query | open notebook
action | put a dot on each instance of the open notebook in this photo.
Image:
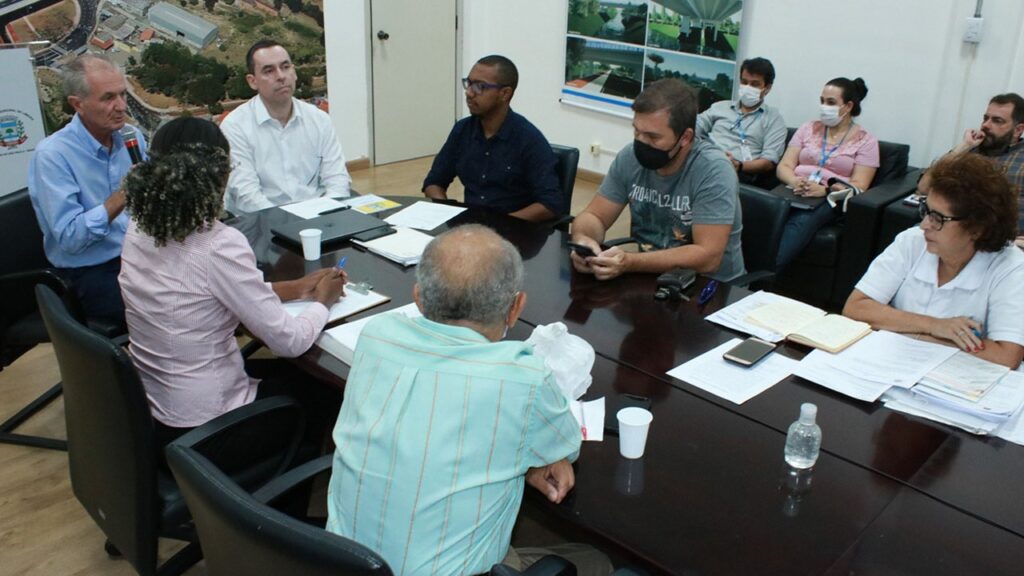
(807, 325)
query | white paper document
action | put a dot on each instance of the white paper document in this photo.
(817, 368)
(369, 203)
(965, 376)
(735, 315)
(590, 416)
(890, 358)
(312, 208)
(711, 373)
(348, 305)
(405, 246)
(341, 341)
(424, 215)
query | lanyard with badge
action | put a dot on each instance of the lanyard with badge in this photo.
(826, 154)
(737, 127)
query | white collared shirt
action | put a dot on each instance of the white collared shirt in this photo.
(990, 289)
(274, 165)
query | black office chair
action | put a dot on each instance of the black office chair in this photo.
(764, 218)
(23, 264)
(241, 533)
(112, 450)
(568, 159)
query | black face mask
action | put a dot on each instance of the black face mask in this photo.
(650, 157)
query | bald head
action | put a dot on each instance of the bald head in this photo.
(469, 274)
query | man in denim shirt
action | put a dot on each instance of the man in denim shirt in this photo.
(74, 180)
(503, 160)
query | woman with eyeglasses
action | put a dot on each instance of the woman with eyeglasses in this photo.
(831, 147)
(957, 278)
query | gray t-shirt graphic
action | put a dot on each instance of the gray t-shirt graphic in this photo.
(664, 209)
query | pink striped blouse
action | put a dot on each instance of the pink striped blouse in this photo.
(183, 302)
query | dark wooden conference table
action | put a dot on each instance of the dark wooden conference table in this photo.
(890, 494)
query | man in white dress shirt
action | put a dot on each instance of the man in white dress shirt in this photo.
(283, 150)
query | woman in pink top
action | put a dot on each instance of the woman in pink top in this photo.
(188, 280)
(832, 147)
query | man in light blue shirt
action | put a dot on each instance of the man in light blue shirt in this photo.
(751, 133)
(74, 180)
(443, 421)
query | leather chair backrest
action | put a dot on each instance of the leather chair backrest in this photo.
(764, 217)
(240, 535)
(20, 236)
(111, 443)
(892, 160)
(567, 160)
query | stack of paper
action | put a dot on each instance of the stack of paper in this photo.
(998, 410)
(963, 376)
(404, 246)
(314, 207)
(424, 215)
(873, 365)
(340, 341)
(351, 303)
(711, 373)
(735, 316)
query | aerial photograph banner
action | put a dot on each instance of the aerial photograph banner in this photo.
(614, 48)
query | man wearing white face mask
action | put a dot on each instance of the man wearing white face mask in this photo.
(751, 133)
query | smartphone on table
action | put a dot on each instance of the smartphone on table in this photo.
(749, 352)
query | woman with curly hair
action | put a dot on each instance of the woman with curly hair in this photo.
(957, 278)
(188, 280)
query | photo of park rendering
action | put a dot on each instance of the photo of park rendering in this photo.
(705, 27)
(711, 78)
(596, 67)
(622, 20)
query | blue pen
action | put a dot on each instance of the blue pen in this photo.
(341, 263)
(707, 293)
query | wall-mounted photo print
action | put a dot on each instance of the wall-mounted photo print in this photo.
(621, 20)
(615, 47)
(705, 27)
(711, 78)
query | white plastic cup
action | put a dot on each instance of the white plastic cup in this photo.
(634, 422)
(311, 243)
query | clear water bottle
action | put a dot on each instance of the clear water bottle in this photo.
(803, 441)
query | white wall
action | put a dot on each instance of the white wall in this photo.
(926, 86)
(348, 73)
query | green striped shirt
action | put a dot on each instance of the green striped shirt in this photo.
(437, 430)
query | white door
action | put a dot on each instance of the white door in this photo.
(414, 77)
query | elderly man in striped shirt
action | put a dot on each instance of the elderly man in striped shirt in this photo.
(443, 422)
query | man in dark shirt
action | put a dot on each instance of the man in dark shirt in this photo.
(503, 161)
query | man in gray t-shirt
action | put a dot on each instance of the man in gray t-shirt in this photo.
(681, 194)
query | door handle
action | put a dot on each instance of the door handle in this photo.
(382, 35)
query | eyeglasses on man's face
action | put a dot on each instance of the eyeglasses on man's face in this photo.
(938, 219)
(478, 86)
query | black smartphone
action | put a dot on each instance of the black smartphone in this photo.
(582, 250)
(375, 233)
(749, 352)
(611, 421)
